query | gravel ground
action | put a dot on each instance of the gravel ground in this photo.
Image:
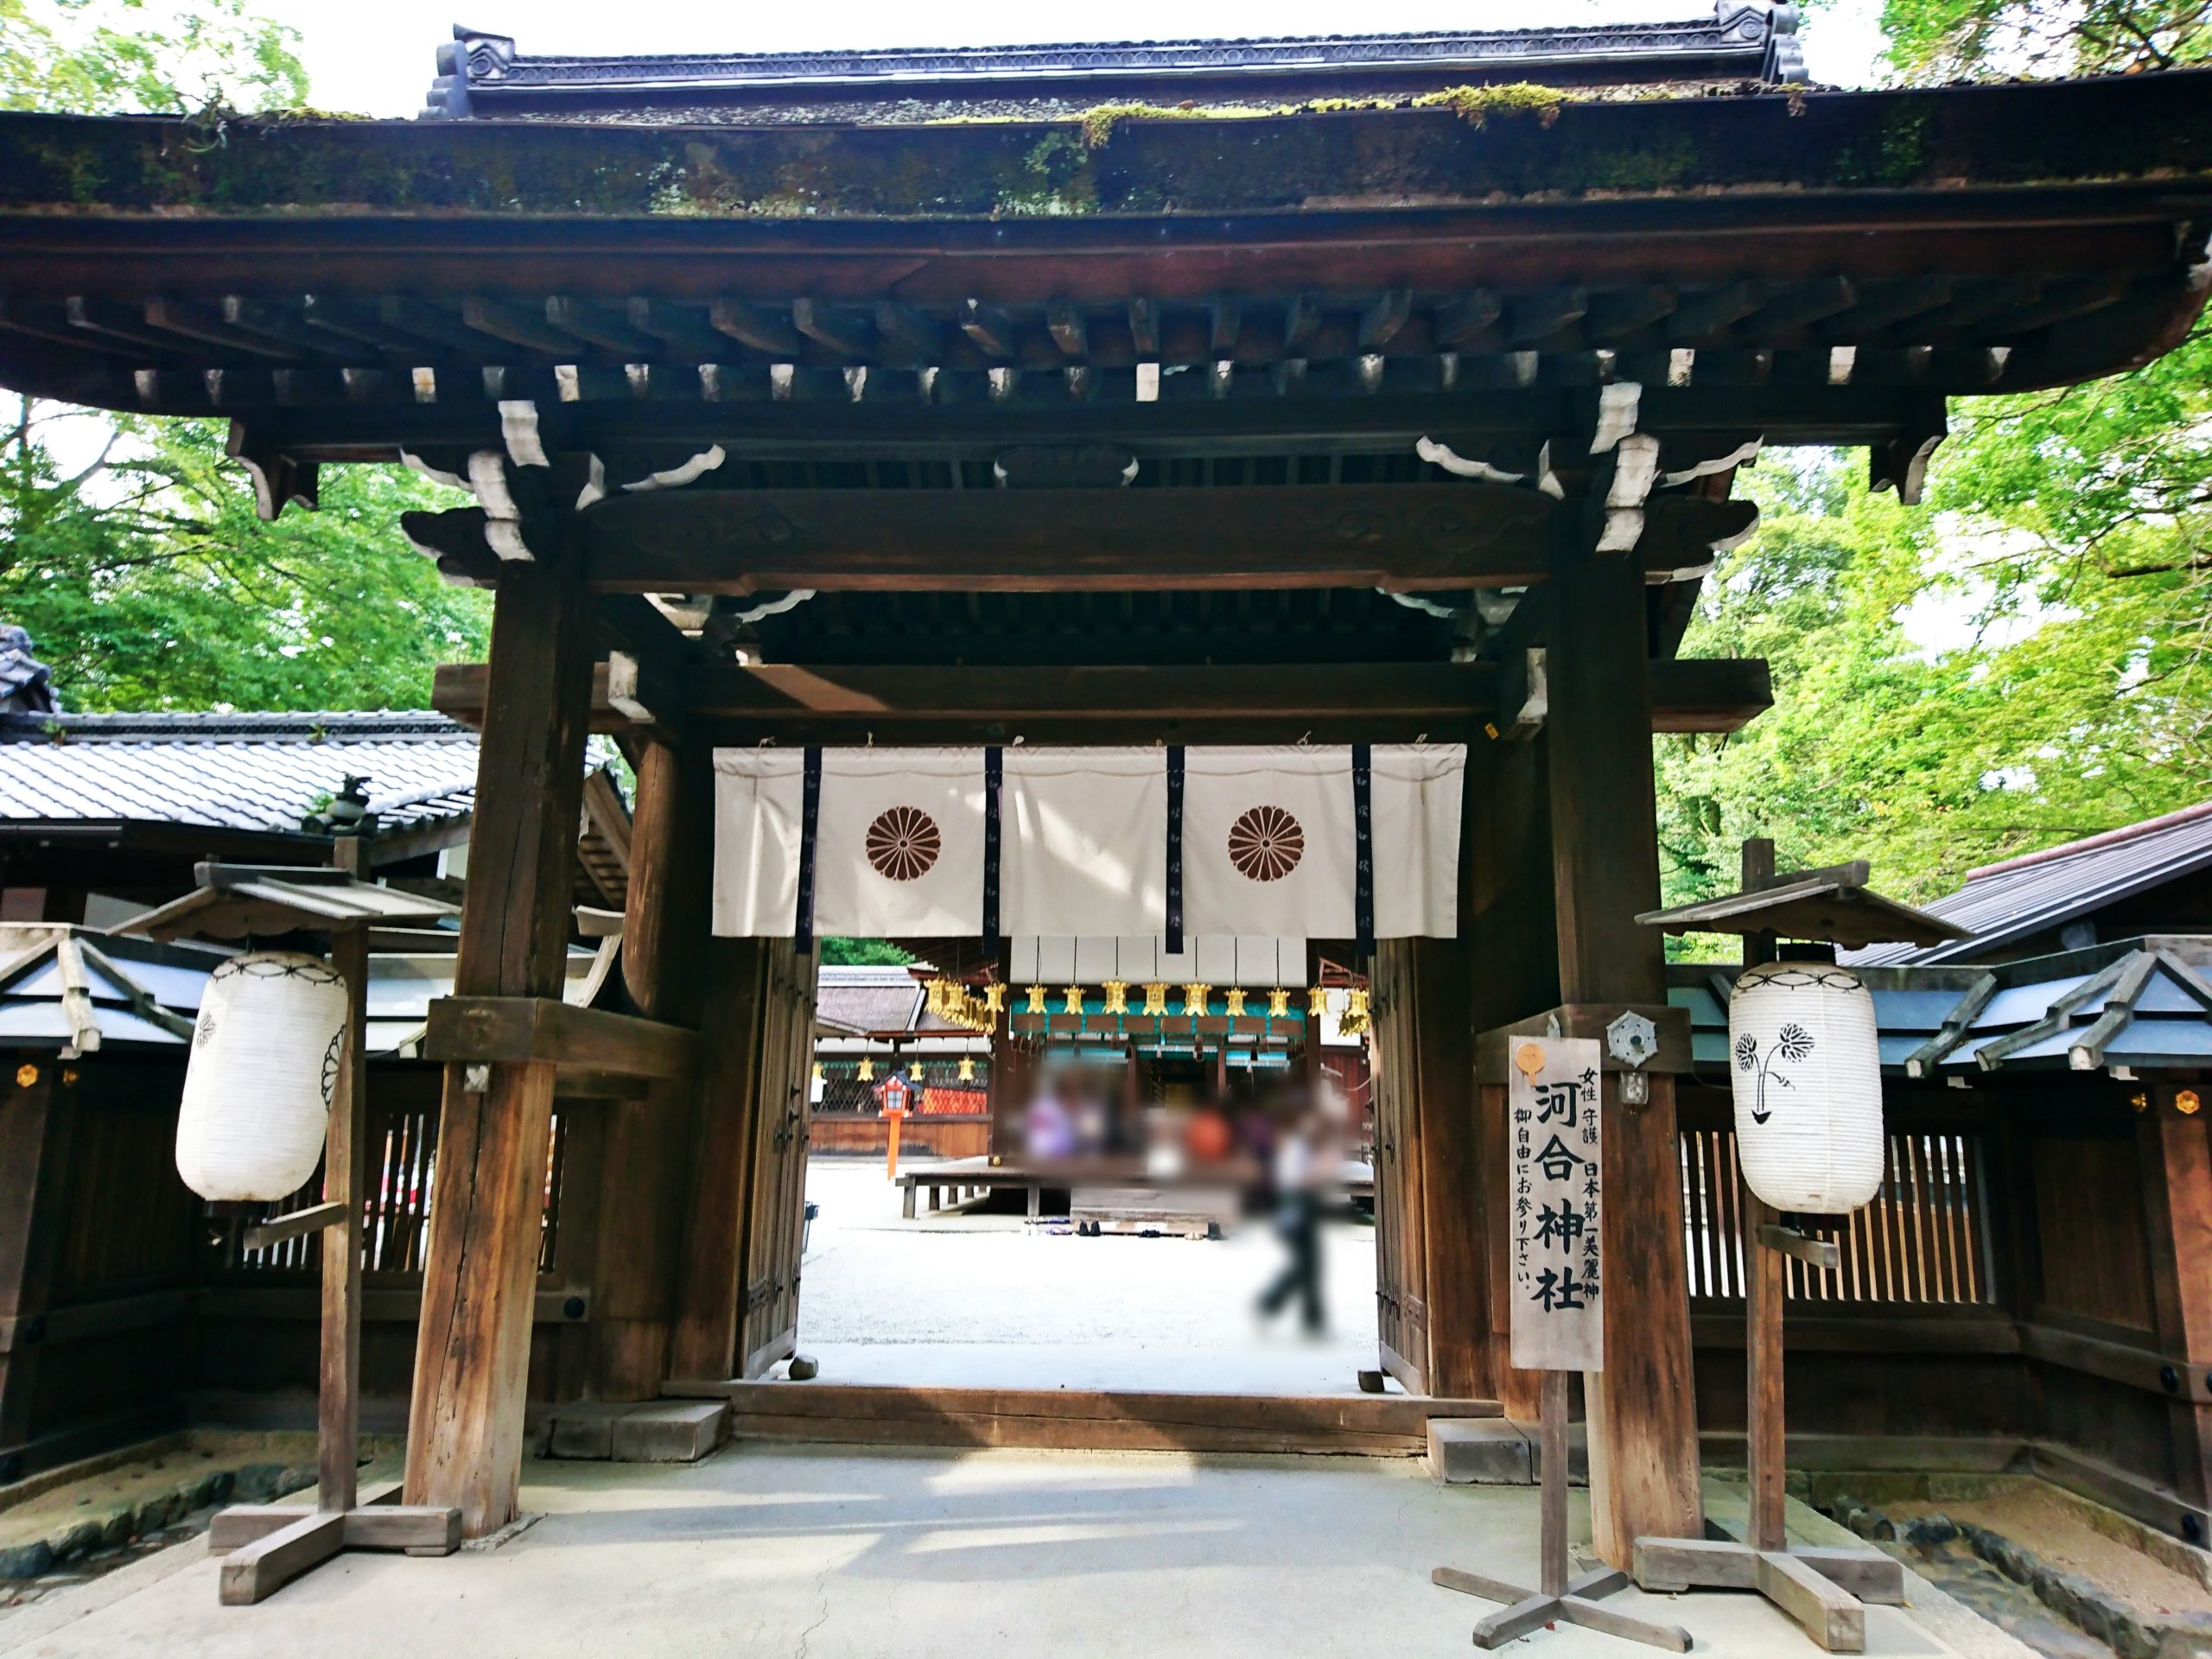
(990, 1300)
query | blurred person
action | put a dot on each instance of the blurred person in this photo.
(1307, 1157)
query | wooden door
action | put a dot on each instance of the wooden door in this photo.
(768, 1315)
(1401, 1258)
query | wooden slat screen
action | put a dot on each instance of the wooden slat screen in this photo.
(400, 1164)
(1922, 1239)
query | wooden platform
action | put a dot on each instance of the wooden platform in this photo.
(1083, 1419)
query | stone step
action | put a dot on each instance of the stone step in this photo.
(651, 1431)
(1498, 1451)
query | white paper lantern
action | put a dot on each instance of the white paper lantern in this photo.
(1808, 1073)
(264, 1064)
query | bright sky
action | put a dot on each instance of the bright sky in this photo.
(378, 59)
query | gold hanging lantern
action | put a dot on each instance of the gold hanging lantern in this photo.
(1279, 1004)
(993, 1000)
(1036, 995)
(818, 1071)
(1357, 1018)
(967, 1068)
(934, 990)
(1198, 998)
(867, 1072)
(1155, 998)
(1117, 995)
(1071, 999)
(1317, 1001)
(1235, 997)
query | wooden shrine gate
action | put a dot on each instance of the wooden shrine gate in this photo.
(1401, 1260)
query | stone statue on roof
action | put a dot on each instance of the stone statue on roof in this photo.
(26, 684)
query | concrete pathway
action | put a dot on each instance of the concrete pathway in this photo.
(828, 1554)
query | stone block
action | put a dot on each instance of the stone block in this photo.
(585, 1429)
(669, 1431)
(1480, 1452)
(1578, 1453)
(26, 1560)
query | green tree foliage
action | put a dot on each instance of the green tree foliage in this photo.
(140, 571)
(862, 953)
(2022, 660)
(105, 57)
(1937, 40)
(130, 549)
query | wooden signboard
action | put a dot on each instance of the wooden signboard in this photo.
(1554, 1128)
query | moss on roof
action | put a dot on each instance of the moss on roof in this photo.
(1120, 159)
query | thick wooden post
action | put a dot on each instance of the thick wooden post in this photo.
(2177, 1159)
(1509, 926)
(710, 1272)
(343, 1158)
(1766, 1446)
(645, 1171)
(1640, 1410)
(472, 1358)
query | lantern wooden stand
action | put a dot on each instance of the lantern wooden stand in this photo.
(1556, 1094)
(1824, 1590)
(1556, 1599)
(267, 1545)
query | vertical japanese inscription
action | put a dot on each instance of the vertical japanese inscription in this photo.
(1556, 1135)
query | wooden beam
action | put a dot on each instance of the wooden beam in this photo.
(265, 1566)
(843, 331)
(1069, 329)
(754, 325)
(1407, 538)
(278, 1228)
(840, 704)
(465, 1427)
(544, 1029)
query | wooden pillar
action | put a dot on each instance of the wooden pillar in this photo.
(733, 991)
(645, 1170)
(1640, 1410)
(1509, 926)
(2177, 1160)
(1455, 1258)
(344, 1157)
(472, 1358)
(34, 1128)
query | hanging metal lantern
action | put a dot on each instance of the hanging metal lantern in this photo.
(1317, 1001)
(1358, 1017)
(1235, 998)
(1036, 995)
(265, 1054)
(993, 1000)
(967, 1068)
(1197, 999)
(1156, 997)
(866, 1072)
(1071, 999)
(1117, 996)
(1808, 1075)
(1279, 1004)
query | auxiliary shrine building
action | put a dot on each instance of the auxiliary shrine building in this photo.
(1006, 495)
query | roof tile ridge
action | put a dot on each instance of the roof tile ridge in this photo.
(2102, 839)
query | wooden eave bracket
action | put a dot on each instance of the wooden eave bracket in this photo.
(1590, 1020)
(543, 1030)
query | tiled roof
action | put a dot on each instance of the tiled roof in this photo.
(263, 772)
(482, 74)
(864, 1000)
(2027, 895)
(2133, 1006)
